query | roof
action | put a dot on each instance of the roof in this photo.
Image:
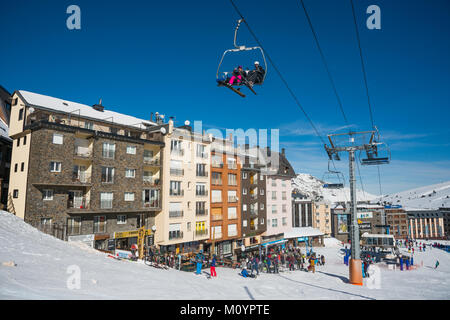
(77, 109)
(368, 235)
(284, 168)
(303, 232)
(4, 130)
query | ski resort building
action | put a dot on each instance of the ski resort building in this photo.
(397, 219)
(83, 172)
(5, 147)
(426, 224)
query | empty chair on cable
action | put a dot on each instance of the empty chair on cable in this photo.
(379, 154)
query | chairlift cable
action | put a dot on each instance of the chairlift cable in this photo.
(278, 72)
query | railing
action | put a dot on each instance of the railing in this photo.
(150, 181)
(201, 193)
(175, 214)
(216, 217)
(217, 182)
(232, 166)
(175, 234)
(232, 199)
(216, 235)
(202, 173)
(106, 204)
(152, 161)
(232, 183)
(232, 234)
(254, 196)
(81, 177)
(201, 232)
(201, 212)
(176, 193)
(82, 153)
(253, 211)
(176, 172)
(202, 155)
(78, 203)
(152, 204)
(177, 152)
(217, 165)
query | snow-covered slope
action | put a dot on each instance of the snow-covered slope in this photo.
(428, 197)
(313, 187)
(44, 266)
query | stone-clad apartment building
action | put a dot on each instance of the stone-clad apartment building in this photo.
(82, 170)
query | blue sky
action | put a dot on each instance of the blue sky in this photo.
(147, 56)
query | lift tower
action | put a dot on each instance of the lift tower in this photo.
(351, 142)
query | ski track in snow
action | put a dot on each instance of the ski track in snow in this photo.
(42, 261)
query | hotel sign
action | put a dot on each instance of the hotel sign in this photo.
(130, 234)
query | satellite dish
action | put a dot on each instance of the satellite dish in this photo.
(187, 122)
(163, 130)
(31, 110)
(154, 228)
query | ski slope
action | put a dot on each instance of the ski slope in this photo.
(428, 197)
(42, 263)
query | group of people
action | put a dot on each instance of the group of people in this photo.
(280, 259)
(254, 76)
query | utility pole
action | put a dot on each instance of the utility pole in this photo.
(345, 142)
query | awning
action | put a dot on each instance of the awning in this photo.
(273, 242)
(302, 232)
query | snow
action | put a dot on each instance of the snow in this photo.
(39, 100)
(313, 187)
(4, 130)
(42, 263)
(422, 198)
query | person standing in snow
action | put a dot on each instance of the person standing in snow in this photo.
(213, 266)
(437, 264)
(255, 265)
(322, 260)
(199, 261)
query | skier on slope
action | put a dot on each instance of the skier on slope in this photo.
(213, 266)
(199, 260)
(437, 264)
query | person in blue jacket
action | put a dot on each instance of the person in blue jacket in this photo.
(244, 273)
(199, 260)
(401, 264)
(213, 266)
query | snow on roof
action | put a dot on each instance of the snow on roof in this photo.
(4, 130)
(302, 232)
(75, 109)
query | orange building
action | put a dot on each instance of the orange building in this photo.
(225, 216)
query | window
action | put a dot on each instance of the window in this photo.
(131, 149)
(99, 224)
(20, 114)
(216, 196)
(283, 183)
(18, 142)
(113, 130)
(129, 196)
(274, 183)
(283, 208)
(284, 221)
(175, 188)
(130, 173)
(216, 161)
(200, 152)
(200, 207)
(109, 150)
(148, 155)
(274, 222)
(15, 102)
(200, 189)
(261, 192)
(231, 163)
(274, 195)
(283, 195)
(24, 140)
(122, 219)
(232, 230)
(244, 223)
(262, 206)
(216, 178)
(148, 175)
(188, 226)
(274, 208)
(175, 147)
(244, 175)
(106, 200)
(74, 225)
(15, 167)
(232, 213)
(262, 220)
(244, 191)
(232, 196)
(55, 166)
(107, 175)
(46, 221)
(232, 179)
(47, 194)
(22, 166)
(15, 193)
(261, 177)
(176, 167)
(57, 138)
(216, 232)
(89, 125)
(201, 170)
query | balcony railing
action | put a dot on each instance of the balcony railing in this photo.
(152, 204)
(175, 234)
(232, 166)
(81, 177)
(216, 235)
(150, 181)
(152, 161)
(216, 217)
(202, 173)
(232, 199)
(82, 152)
(175, 214)
(253, 211)
(217, 182)
(201, 212)
(201, 193)
(254, 196)
(176, 172)
(78, 203)
(217, 165)
(176, 193)
(203, 155)
(201, 232)
(232, 234)
(177, 152)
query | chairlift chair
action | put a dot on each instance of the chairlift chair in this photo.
(335, 177)
(373, 154)
(222, 77)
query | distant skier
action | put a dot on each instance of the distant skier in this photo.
(213, 266)
(437, 264)
(199, 260)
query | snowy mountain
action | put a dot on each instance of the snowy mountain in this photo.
(313, 188)
(428, 197)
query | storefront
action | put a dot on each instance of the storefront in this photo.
(101, 242)
(124, 240)
(182, 248)
(306, 236)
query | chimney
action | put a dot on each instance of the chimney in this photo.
(283, 152)
(99, 106)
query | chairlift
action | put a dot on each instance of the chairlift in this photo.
(377, 153)
(333, 179)
(249, 78)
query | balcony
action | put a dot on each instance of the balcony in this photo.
(176, 172)
(177, 152)
(78, 203)
(176, 193)
(152, 204)
(232, 199)
(82, 152)
(175, 234)
(152, 161)
(81, 177)
(176, 214)
(254, 212)
(217, 165)
(201, 232)
(216, 235)
(216, 217)
(201, 212)
(254, 196)
(203, 155)
(232, 166)
(232, 234)
(201, 193)
(217, 182)
(149, 181)
(202, 174)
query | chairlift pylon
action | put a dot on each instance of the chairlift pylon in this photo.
(222, 77)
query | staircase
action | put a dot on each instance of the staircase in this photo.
(10, 207)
